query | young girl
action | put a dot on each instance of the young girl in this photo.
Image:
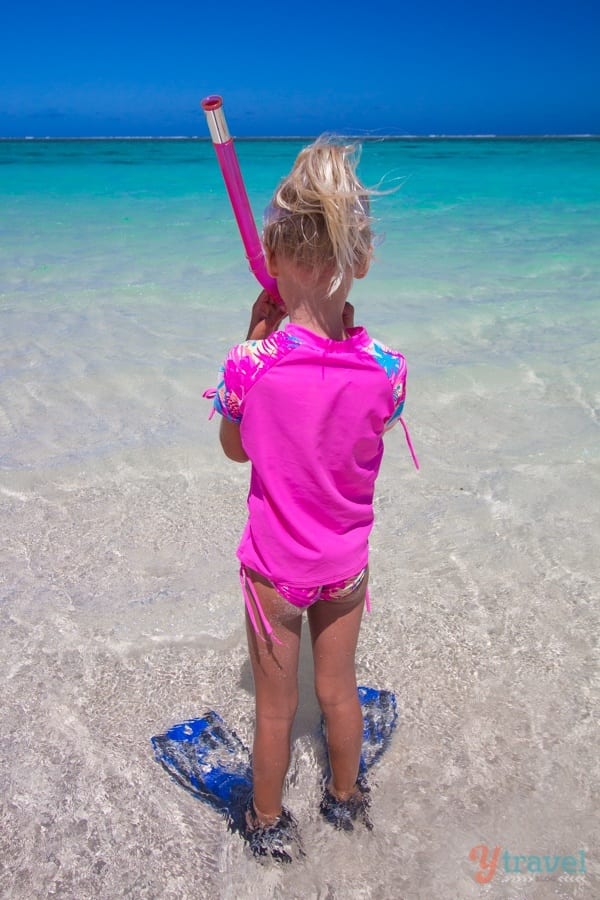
(308, 406)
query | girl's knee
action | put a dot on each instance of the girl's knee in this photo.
(282, 708)
(334, 693)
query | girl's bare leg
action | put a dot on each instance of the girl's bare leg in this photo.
(275, 670)
(334, 627)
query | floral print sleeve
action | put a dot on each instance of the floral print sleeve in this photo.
(244, 365)
(394, 366)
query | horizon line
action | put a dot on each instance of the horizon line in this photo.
(310, 137)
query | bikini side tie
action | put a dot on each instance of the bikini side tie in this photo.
(247, 591)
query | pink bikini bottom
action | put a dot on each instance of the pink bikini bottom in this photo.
(298, 596)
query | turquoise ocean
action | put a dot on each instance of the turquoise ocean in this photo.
(122, 285)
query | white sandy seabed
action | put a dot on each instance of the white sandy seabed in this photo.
(121, 615)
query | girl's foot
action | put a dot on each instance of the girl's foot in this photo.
(278, 839)
(342, 814)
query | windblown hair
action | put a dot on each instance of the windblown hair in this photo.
(320, 214)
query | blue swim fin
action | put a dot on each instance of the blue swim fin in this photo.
(209, 761)
(380, 716)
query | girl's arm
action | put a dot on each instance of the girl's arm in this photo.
(231, 441)
(265, 318)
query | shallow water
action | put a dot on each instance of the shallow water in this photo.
(122, 284)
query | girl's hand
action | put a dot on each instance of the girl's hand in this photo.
(348, 315)
(266, 317)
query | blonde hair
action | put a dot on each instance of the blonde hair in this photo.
(320, 214)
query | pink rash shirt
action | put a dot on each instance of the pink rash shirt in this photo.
(312, 414)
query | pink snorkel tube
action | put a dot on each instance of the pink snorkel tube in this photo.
(230, 169)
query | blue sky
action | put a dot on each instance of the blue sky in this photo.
(502, 67)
